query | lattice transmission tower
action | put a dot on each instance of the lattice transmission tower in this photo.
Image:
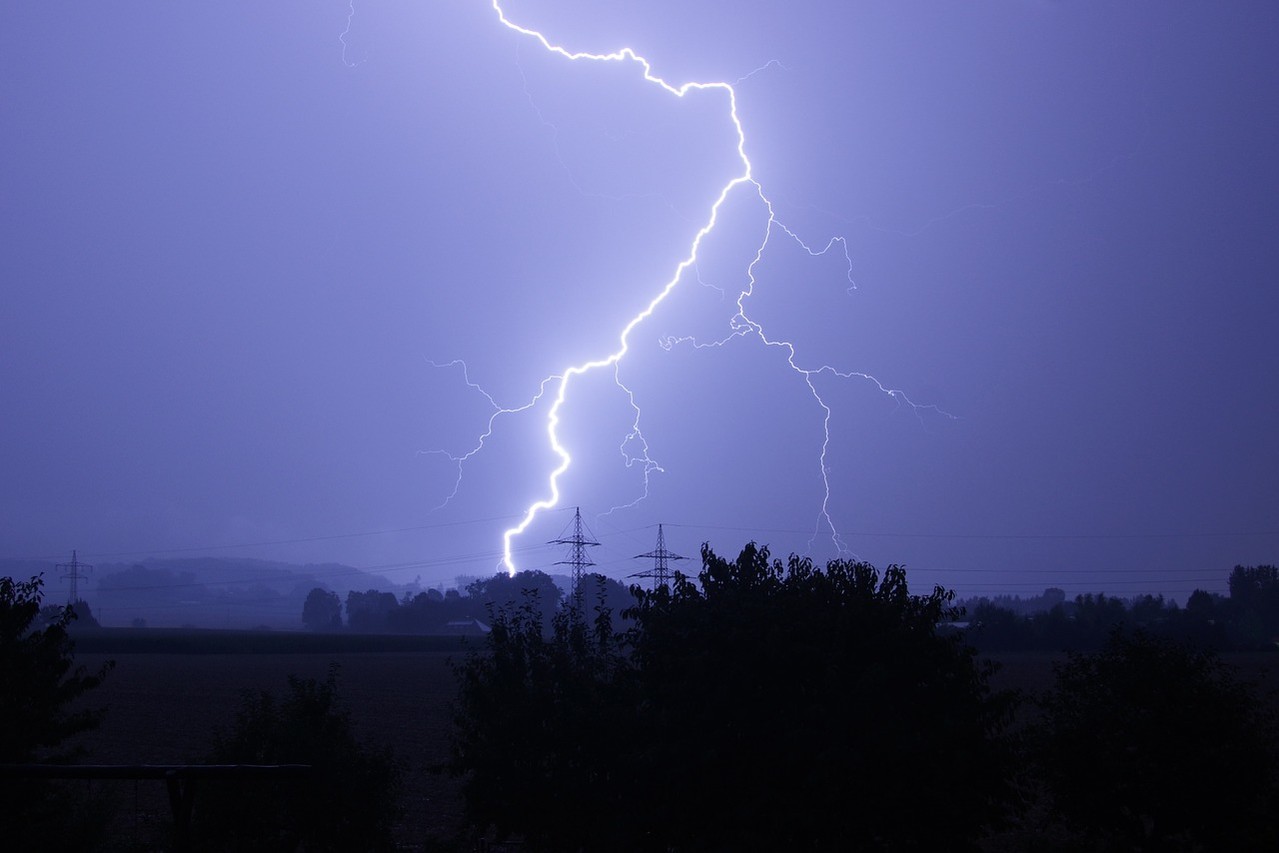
(74, 571)
(661, 572)
(578, 543)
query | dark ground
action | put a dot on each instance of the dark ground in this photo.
(163, 708)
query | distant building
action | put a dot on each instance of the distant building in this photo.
(466, 627)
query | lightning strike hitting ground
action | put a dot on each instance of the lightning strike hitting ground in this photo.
(634, 446)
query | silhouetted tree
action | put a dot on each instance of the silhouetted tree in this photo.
(1051, 597)
(1254, 593)
(600, 591)
(1202, 622)
(1201, 605)
(370, 612)
(39, 682)
(504, 592)
(417, 614)
(1095, 616)
(1149, 610)
(350, 803)
(542, 722)
(766, 706)
(1147, 745)
(41, 708)
(821, 708)
(993, 628)
(322, 610)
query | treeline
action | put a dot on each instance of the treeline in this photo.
(469, 610)
(217, 592)
(1248, 618)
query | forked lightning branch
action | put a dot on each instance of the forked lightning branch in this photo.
(740, 326)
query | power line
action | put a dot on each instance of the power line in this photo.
(153, 552)
(1206, 534)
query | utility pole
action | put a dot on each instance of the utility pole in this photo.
(73, 572)
(577, 559)
(661, 572)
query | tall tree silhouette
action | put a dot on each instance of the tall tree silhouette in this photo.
(39, 681)
(764, 706)
(41, 711)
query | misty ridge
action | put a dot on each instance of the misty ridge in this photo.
(238, 593)
(219, 593)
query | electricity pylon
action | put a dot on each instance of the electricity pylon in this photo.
(578, 543)
(73, 569)
(660, 573)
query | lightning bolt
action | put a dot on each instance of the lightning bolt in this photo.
(497, 411)
(350, 15)
(634, 438)
(634, 446)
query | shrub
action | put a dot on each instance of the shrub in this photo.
(351, 801)
(1148, 744)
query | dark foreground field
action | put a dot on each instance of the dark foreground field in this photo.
(163, 708)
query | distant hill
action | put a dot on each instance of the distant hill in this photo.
(240, 593)
(206, 592)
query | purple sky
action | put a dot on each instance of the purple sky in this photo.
(238, 239)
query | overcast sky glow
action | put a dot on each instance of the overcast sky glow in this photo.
(247, 249)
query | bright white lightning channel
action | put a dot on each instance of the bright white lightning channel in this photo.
(741, 324)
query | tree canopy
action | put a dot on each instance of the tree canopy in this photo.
(1148, 744)
(39, 681)
(762, 706)
(41, 713)
(322, 610)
